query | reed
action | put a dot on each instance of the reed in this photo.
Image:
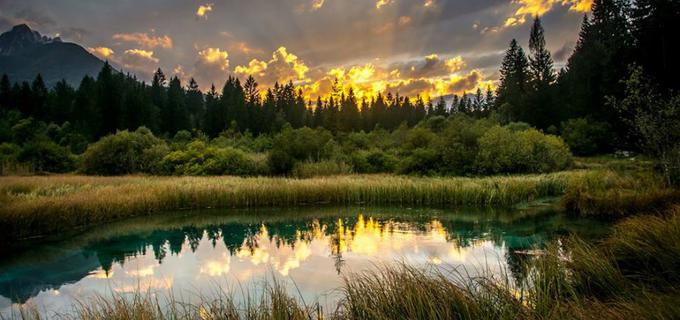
(33, 206)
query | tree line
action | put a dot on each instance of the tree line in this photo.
(114, 101)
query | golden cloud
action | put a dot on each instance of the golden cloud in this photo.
(382, 3)
(282, 67)
(101, 52)
(145, 40)
(215, 57)
(317, 4)
(202, 11)
(455, 64)
(530, 8)
(428, 3)
(144, 54)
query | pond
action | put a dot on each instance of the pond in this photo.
(188, 254)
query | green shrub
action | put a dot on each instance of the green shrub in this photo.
(421, 161)
(373, 161)
(123, 153)
(305, 144)
(504, 151)
(459, 143)
(586, 137)
(199, 159)
(46, 156)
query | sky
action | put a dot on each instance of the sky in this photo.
(410, 47)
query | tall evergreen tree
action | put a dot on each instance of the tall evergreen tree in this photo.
(540, 110)
(513, 86)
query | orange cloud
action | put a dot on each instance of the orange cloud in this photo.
(145, 40)
(101, 52)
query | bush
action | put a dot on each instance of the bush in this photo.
(305, 144)
(199, 159)
(585, 137)
(373, 161)
(123, 153)
(421, 161)
(504, 151)
(46, 156)
(460, 143)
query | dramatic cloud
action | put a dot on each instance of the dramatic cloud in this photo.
(214, 57)
(282, 67)
(145, 40)
(101, 52)
(530, 8)
(202, 11)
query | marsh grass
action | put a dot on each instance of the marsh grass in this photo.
(32, 206)
(618, 194)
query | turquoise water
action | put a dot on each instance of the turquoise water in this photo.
(191, 253)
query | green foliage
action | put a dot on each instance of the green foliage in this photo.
(201, 159)
(293, 145)
(46, 156)
(122, 153)
(505, 151)
(586, 137)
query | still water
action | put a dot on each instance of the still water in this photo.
(197, 253)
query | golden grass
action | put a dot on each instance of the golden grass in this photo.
(33, 206)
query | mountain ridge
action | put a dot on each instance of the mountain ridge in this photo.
(25, 53)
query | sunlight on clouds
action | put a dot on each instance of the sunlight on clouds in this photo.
(579, 5)
(144, 54)
(282, 67)
(202, 11)
(455, 64)
(101, 52)
(382, 3)
(530, 8)
(317, 4)
(428, 3)
(215, 57)
(145, 40)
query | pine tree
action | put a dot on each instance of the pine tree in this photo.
(194, 104)
(513, 83)
(440, 107)
(540, 61)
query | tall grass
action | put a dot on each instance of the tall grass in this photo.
(33, 206)
(617, 194)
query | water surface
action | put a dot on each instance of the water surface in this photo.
(191, 253)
